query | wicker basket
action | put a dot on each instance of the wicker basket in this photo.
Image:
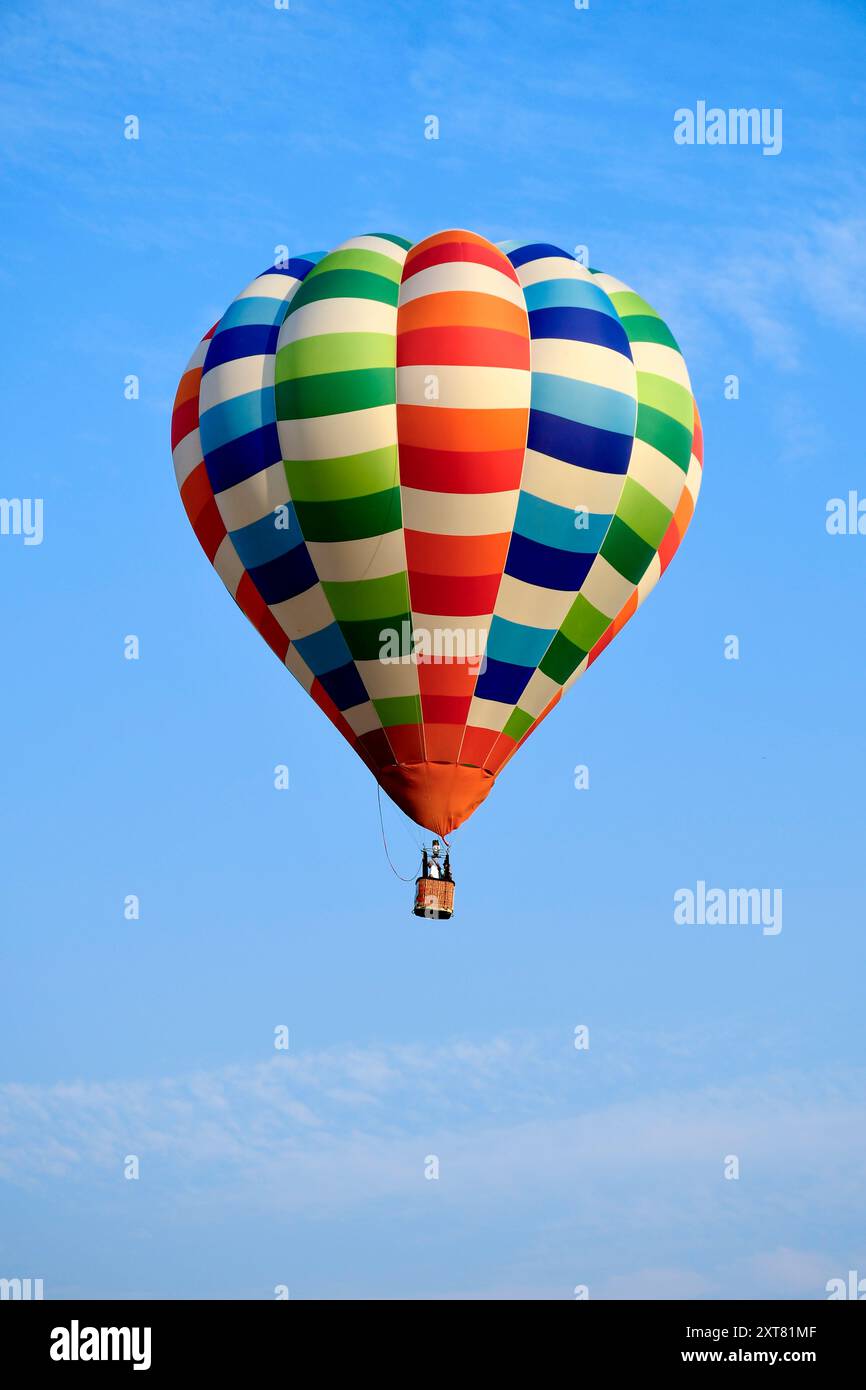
(434, 898)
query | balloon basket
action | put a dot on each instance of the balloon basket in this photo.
(434, 899)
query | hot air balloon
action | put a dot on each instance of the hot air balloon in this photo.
(438, 478)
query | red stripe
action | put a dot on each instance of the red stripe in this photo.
(459, 596)
(250, 601)
(453, 470)
(450, 251)
(184, 420)
(445, 709)
(462, 346)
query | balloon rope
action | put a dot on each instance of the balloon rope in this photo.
(402, 877)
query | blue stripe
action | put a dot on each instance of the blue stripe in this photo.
(241, 458)
(286, 576)
(264, 540)
(572, 294)
(344, 686)
(549, 524)
(298, 266)
(545, 566)
(518, 644)
(253, 309)
(583, 401)
(251, 340)
(536, 251)
(501, 681)
(579, 444)
(240, 415)
(325, 650)
(580, 326)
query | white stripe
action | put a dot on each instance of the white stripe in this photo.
(569, 485)
(337, 436)
(337, 316)
(657, 473)
(347, 562)
(552, 268)
(252, 499)
(462, 276)
(600, 366)
(304, 614)
(186, 456)
(271, 286)
(464, 388)
(459, 514)
(374, 243)
(531, 604)
(661, 360)
(605, 588)
(299, 668)
(362, 719)
(227, 564)
(235, 378)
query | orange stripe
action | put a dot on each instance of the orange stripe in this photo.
(449, 555)
(189, 386)
(452, 234)
(436, 427)
(451, 307)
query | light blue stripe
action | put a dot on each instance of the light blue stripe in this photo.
(254, 309)
(571, 294)
(264, 540)
(517, 644)
(584, 403)
(231, 419)
(549, 524)
(325, 650)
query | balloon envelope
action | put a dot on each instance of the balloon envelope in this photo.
(439, 479)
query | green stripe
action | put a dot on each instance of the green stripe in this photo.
(335, 393)
(364, 635)
(561, 658)
(626, 303)
(350, 519)
(395, 240)
(358, 600)
(645, 514)
(335, 352)
(518, 723)
(356, 258)
(625, 550)
(398, 709)
(584, 624)
(668, 436)
(646, 329)
(664, 394)
(332, 480)
(344, 284)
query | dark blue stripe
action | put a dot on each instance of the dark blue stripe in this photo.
(242, 457)
(344, 686)
(249, 340)
(285, 577)
(500, 680)
(546, 566)
(536, 252)
(602, 450)
(581, 326)
(296, 266)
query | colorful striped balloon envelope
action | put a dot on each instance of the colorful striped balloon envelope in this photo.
(439, 479)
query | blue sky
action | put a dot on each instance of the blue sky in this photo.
(558, 1167)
